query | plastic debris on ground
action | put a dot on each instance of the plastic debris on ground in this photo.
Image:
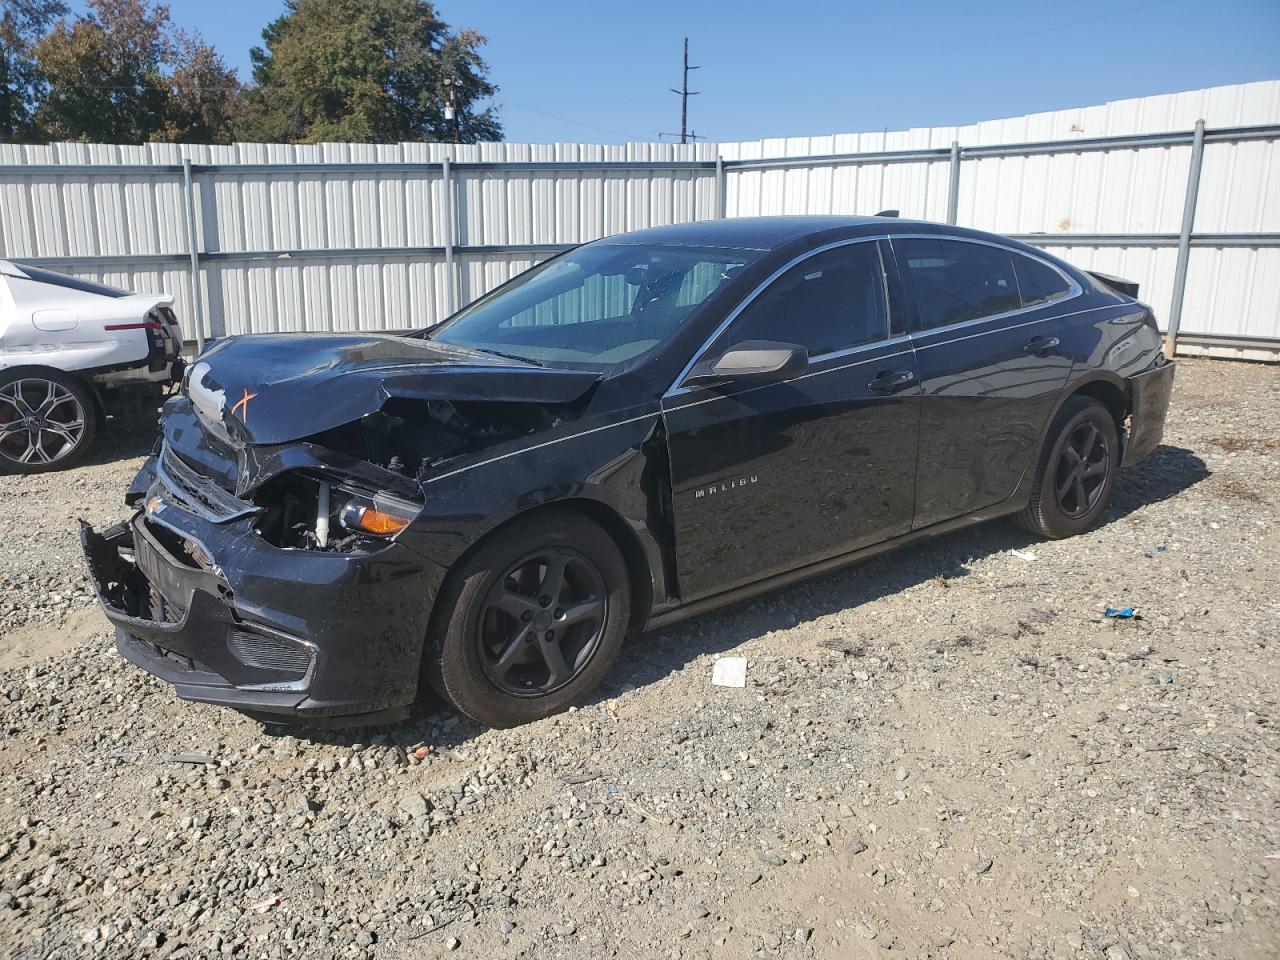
(1122, 613)
(1026, 555)
(730, 672)
(265, 905)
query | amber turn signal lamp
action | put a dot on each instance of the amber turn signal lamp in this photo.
(372, 520)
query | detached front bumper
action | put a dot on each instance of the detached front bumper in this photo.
(1150, 393)
(229, 619)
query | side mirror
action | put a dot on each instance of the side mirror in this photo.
(751, 362)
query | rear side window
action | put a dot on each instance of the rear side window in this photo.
(1039, 282)
(957, 281)
(828, 302)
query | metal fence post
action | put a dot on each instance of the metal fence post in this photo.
(449, 232)
(721, 198)
(953, 187)
(1184, 240)
(193, 245)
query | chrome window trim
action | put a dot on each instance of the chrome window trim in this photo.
(847, 351)
(1074, 291)
(1014, 326)
(676, 389)
(860, 348)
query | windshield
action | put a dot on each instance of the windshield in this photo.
(597, 306)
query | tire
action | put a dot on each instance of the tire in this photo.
(1076, 472)
(47, 421)
(501, 618)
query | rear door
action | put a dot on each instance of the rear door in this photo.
(768, 478)
(991, 367)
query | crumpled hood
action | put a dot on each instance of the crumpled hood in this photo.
(276, 388)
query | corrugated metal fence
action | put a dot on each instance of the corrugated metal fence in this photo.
(254, 238)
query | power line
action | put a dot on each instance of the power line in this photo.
(498, 101)
(506, 101)
(1100, 16)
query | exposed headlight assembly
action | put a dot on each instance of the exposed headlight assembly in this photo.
(308, 511)
(380, 514)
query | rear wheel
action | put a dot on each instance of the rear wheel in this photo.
(1076, 471)
(529, 623)
(47, 421)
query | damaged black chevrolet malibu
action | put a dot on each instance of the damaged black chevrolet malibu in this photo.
(642, 428)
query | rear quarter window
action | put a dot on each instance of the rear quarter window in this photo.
(1038, 282)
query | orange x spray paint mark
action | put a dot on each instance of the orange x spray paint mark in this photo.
(243, 405)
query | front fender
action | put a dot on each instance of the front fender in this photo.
(618, 467)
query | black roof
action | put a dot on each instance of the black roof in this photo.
(750, 233)
(772, 234)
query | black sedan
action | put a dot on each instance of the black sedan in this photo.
(640, 429)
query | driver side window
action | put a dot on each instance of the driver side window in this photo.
(828, 302)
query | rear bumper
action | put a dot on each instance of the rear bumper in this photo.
(228, 619)
(1150, 393)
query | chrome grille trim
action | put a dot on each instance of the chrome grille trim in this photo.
(196, 494)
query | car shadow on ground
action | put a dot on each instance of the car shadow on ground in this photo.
(122, 441)
(1167, 472)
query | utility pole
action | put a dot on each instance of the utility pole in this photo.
(685, 93)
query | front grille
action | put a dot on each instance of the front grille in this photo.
(268, 653)
(160, 608)
(197, 494)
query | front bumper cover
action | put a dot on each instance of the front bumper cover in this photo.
(229, 619)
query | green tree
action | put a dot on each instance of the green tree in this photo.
(367, 70)
(125, 74)
(22, 24)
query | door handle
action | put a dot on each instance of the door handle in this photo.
(890, 381)
(1041, 346)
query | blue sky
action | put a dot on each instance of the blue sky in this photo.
(583, 71)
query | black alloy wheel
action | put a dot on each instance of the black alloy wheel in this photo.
(1076, 471)
(542, 623)
(1082, 470)
(529, 621)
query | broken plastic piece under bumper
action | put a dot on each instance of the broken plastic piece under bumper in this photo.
(228, 619)
(1150, 392)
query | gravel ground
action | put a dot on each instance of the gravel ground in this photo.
(947, 753)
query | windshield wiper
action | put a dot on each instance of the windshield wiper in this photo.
(508, 356)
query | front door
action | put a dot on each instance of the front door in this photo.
(769, 478)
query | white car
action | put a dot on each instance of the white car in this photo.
(71, 353)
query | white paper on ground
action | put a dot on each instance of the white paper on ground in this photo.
(730, 672)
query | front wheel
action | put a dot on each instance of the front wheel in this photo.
(47, 421)
(1076, 471)
(529, 624)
